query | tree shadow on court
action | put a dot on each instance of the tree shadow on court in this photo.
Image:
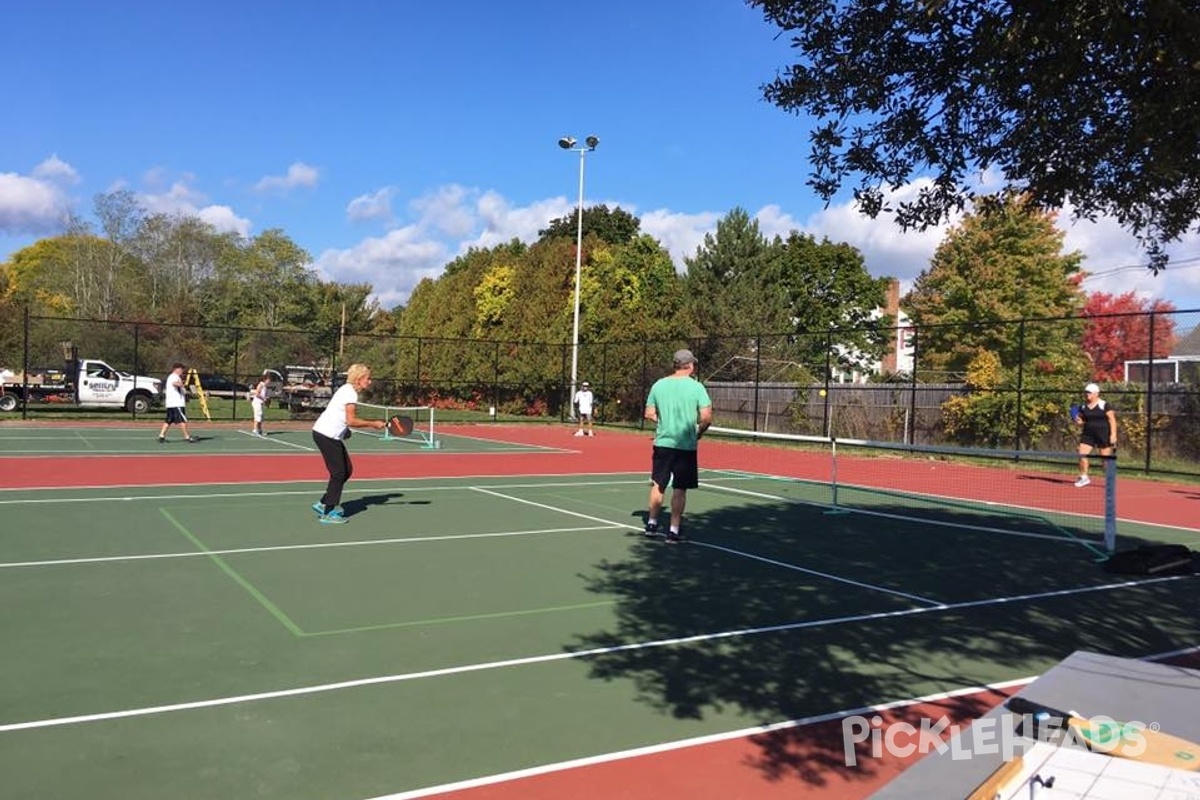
(360, 504)
(730, 623)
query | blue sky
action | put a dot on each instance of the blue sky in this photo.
(387, 137)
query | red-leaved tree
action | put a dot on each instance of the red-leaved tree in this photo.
(1118, 330)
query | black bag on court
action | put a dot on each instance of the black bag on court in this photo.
(1153, 559)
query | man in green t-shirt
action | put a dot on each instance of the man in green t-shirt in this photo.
(680, 406)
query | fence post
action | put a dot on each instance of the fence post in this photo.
(420, 390)
(641, 407)
(237, 347)
(567, 408)
(136, 362)
(912, 397)
(828, 367)
(757, 377)
(1150, 395)
(25, 367)
(1020, 381)
(495, 383)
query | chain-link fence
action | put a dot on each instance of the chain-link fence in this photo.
(1148, 366)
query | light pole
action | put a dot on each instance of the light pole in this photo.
(568, 143)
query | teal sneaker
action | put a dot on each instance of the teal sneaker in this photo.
(319, 507)
(335, 517)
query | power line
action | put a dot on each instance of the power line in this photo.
(1188, 263)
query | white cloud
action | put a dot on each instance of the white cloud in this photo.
(502, 223)
(448, 210)
(36, 204)
(449, 220)
(393, 264)
(298, 175)
(57, 171)
(224, 220)
(1116, 263)
(679, 233)
(367, 207)
(184, 200)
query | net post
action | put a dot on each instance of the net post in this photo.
(433, 442)
(1110, 502)
(833, 478)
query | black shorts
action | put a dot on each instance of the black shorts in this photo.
(1095, 438)
(671, 465)
(175, 415)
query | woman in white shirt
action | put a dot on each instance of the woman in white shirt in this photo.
(329, 432)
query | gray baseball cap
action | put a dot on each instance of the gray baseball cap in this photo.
(683, 357)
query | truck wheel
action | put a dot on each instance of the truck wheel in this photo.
(8, 402)
(137, 404)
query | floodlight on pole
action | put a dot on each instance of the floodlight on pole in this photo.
(568, 143)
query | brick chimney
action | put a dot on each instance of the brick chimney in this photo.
(892, 309)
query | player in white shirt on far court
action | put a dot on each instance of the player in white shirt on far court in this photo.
(585, 402)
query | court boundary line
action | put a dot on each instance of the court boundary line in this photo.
(728, 475)
(286, 547)
(479, 476)
(561, 656)
(715, 738)
(826, 575)
(699, 741)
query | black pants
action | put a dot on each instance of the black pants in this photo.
(337, 461)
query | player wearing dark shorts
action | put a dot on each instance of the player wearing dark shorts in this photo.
(1098, 424)
(682, 410)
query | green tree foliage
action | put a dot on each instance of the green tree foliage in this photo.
(987, 416)
(179, 274)
(612, 226)
(721, 276)
(1093, 102)
(180, 255)
(829, 298)
(1003, 263)
(809, 293)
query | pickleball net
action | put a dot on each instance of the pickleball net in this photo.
(1018, 492)
(423, 433)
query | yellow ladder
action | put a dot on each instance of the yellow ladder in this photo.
(193, 379)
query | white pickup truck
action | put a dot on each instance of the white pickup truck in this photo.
(86, 383)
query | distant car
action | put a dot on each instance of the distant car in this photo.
(220, 386)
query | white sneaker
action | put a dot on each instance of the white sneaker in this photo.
(1083, 481)
(579, 433)
(591, 433)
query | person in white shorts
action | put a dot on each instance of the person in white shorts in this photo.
(258, 401)
(585, 401)
(175, 399)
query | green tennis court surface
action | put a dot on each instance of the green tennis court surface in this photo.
(217, 641)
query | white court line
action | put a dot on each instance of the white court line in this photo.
(559, 656)
(556, 509)
(282, 547)
(278, 441)
(349, 490)
(826, 575)
(712, 738)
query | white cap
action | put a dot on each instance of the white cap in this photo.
(1092, 388)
